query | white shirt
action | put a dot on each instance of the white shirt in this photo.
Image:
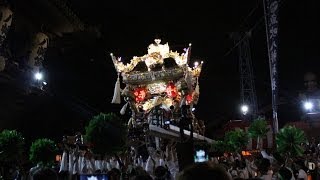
(302, 174)
(292, 175)
(244, 173)
(266, 177)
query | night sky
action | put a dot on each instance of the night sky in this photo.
(81, 75)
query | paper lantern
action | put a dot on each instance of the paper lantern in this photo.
(38, 49)
(245, 153)
(58, 158)
(171, 90)
(5, 21)
(140, 94)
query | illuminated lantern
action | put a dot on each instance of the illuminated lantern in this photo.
(171, 90)
(38, 49)
(58, 158)
(245, 153)
(140, 94)
(189, 98)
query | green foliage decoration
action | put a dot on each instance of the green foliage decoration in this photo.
(219, 147)
(235, 140)
(43, 152)
(258, 128)
(289, 140)
(107, 134)
(11, 146)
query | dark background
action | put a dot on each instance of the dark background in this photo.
(81, 75)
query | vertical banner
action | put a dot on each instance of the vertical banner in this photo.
(271, 9)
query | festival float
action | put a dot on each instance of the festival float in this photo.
(161, 91)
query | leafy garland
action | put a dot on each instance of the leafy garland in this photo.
(258, 128)
(218, 148)
(289, 141)
(235, 140)
(106, 133)
(11, 146)
(43, 151)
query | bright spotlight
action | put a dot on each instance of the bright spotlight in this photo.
(45, 83)
(38, 76)
(308, 106)
(244, 109)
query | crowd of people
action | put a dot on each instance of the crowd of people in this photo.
(229, 166)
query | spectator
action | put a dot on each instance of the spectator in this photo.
(302, 170)
(264, 167)
(45, 174)
(285, 174)
(161, 173)
(204, 171)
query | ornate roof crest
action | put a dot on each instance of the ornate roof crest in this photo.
(157, 53)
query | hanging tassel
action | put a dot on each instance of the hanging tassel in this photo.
(124, 108)
(70, 168)
(109, 167)
(81, 164)
(117, 92)
(161, 162)
(75, 169)
(196, 93)
(197, 89)
(183, 101)
(188, 79)
(64, 162)
(98, 165)
(149, 165)
(157, 142)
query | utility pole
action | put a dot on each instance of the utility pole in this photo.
(247, 87)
